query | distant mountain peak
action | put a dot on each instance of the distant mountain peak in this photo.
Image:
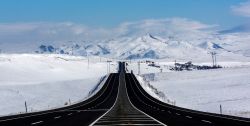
(210, 45)
(150, 38)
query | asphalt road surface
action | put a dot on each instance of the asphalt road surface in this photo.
(122, 101)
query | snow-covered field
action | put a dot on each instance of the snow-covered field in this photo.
(47, 81)
(204, 90)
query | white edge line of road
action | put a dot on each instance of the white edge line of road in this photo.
(109, 109)
(139, 109)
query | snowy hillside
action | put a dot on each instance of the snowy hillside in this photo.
(203, 90)
(47, 81)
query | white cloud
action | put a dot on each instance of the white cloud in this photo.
(181, 27)
(45, 31)
(68, 31)
(243, 9)
(17, 27)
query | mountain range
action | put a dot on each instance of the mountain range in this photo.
(173, 39)
(230, 46)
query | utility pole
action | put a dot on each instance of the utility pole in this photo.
(175, 65)
(212, 58)
(88, 59)
(220, 109)
(88, 62)
(69, 102)
(213, 54)
(108, 66)
(26, 108)
(215, 59)
(139, 68)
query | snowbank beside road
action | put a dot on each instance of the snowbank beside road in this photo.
(205, 90)
(46, 81)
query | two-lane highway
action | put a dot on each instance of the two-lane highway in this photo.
(122, 101)
(123, 112)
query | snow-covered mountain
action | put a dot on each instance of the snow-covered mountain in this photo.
(81, 49)
(176, 38)
(156, 47)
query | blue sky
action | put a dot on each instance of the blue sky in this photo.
(109, 13)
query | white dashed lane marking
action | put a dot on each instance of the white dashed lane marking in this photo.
(206, 121)
(57, 117)
(38, 122)
(189, 117)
